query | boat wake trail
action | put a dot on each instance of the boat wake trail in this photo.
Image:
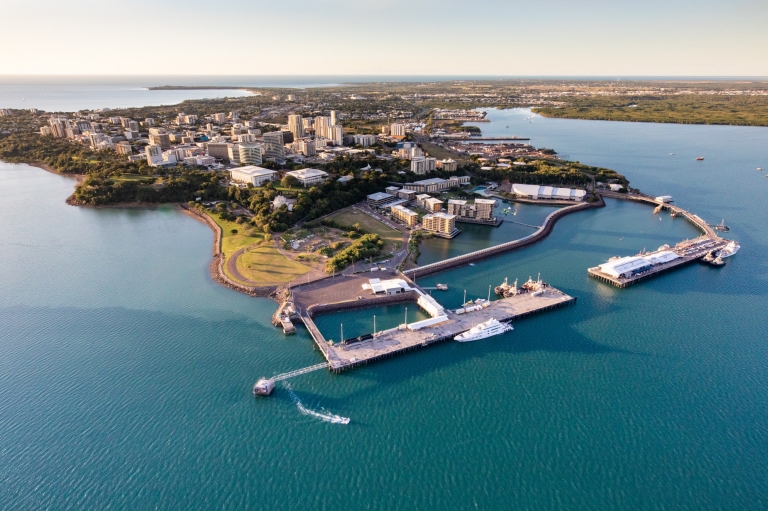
(325, 417)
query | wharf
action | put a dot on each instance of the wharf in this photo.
(688, 251)
(398, 340)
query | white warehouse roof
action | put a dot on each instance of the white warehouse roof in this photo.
(548, 192)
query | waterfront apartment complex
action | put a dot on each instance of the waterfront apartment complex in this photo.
(405, 215)
(480, 210)
(440, 224)
(428, 185)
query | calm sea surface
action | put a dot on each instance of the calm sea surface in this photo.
(125, 373)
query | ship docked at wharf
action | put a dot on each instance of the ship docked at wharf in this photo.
(484, 330)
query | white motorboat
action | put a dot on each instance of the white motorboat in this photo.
(487, 329)
(731, 248)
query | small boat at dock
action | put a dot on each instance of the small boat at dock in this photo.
(442, 287)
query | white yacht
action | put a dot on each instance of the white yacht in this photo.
(731, 248)
(488, 329)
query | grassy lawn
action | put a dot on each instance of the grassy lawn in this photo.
(263, 263)
(392, 238)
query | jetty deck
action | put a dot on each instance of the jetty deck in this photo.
(398, 340)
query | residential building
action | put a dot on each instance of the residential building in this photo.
(46, 131)
(308, 177)
(321, 127)
(428, 185)
(149, 121)
(418, 164)
(405, 215)
(448, 165)
(305, 146)
(408, 195)
(246, 138)
(252, 174)
(336, 134)
(392, 190)
(458, 181)
(432, 205)
(273, 146)
(441, 224)
(333, 118)
(397, 130)
(481, 210)
(365, 140)
(219, 118)
(250, 154)
(380, 199)
(296, 126)
(234, 115)
(431, 164)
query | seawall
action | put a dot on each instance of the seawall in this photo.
(539, 235)
(216, 267)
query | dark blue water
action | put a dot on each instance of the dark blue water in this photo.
(125, 372)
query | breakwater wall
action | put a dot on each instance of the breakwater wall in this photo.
(216, 267)
(537, 236)
(364, 303)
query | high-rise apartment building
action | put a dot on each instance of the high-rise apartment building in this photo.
(296, 126)
(333, 118)
(441, 224)
(397, 130)
(321, 127)
(161, 139)
(336, 133)
(154, 154)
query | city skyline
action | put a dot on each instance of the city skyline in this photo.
(393, 38)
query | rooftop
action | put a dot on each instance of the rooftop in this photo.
(253, 171)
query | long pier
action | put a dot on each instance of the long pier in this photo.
(399, 340)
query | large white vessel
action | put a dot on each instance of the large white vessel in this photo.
(488, 329)
(731, 248)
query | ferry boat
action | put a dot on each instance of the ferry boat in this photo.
(487, 329)
(731, 248)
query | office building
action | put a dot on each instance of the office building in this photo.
(274, 149)
(250, 154)
(123, 148)
(218, 150)
(296, 126)
(308, 177)
(149, 121)
(161, 139)
(252, 174)
(418, 164)
(154, 154)
(233, 153)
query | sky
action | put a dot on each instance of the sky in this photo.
(386, 37)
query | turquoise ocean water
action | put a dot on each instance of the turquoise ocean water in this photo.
(126, 372)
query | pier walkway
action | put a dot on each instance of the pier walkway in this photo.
(398, 340)
(297, 372)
